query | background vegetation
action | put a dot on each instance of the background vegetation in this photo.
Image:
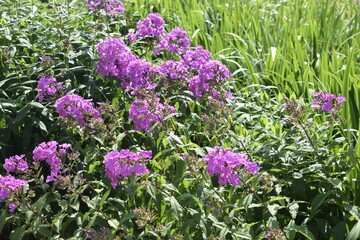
(308, 186)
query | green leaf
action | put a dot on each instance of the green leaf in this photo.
(2, 219)
(41, 203)
(293, 209)
(353, 210)
(114, 223)
(103, 199)
(93, 165)
(18, 233)
(303, 230)
(175, 207)
(273, 209)
(317, 202)
(339, 231)
(354, 233)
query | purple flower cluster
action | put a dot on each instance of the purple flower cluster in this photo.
(152, 25)
(223, 162)
(175, 41)
(9, 186)
(76, 109)
(113, 7)
(174, 70)
(120, 165)
(211, 76)
(16, 164)
(116, 60)
(326, 102)
(145, 112)
(48, 87)
(138, 74)
(52, 153)
(194, 59)
(203, 76)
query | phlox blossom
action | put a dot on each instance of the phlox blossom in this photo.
(327, 102)
(224, 162)
(47, 88)
(152, 25)
(74, 108)
(120, 165)
(52, 153)
(16, 164)
(10, 186)
(113, 7)
(175, 41)
(145, 112)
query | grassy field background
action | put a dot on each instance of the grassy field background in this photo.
(298, 46)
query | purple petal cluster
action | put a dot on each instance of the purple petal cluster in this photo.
(16, 164)
(113, 7)
(145, 112)
(152, 25)
(138, 73)
(194, 59)
(114, 58)
(51, 153)
(223, 162)
(75, 108)
(326, 102)
(211, 76)
(175, 41)
(120, 165)
(47, 88)
(117, 61)
(9, 185)
(174, 70)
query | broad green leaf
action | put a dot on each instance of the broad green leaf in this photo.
(303, 230)
(317, 202)
(175, 207)
(114, 223)
(354, 234)
(18, 233)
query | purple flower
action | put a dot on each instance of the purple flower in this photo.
(152, 25)
(114, 7)
(114, 58)
(211, 77)
(340, 99)
(175, 41)
(16, 163)
(325, 102)
(120, 165)
(174, 70)
(137, 75)
(52, 153)
(12, 207)
(48, 87)
(194, 59)
(76, 109)
(145, 112)
(10, 184)
(223, 162)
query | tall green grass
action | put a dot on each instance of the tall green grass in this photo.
(300, 46)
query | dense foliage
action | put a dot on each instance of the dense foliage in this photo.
(122, 121)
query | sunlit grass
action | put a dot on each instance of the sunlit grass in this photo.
(299, 46)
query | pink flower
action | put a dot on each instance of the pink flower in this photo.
(223, 162)
(120, 165)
